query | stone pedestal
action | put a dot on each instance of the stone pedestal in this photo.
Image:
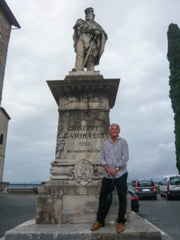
(84, 101)
(3, 187)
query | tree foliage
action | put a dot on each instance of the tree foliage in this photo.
(174, 82)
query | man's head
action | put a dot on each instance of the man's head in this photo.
(89, 13)
(114, 130)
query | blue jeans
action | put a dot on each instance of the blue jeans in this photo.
(105, 198)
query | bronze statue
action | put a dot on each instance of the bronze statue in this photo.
(89, 42)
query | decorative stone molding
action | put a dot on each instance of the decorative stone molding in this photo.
(83, 172)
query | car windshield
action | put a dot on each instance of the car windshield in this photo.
(145, 183)
(175, 180)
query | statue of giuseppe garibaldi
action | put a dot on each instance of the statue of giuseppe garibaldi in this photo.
(89, 42)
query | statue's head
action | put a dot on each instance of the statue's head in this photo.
(89, 13)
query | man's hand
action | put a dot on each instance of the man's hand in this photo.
(113, 171)
(110, 171)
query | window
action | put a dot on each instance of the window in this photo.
(1, 138)
(164, 181)
(175, 180)
(145, 183)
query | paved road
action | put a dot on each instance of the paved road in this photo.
(163, 214)
(16, 209)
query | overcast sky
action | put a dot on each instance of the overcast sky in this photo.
(136, 52)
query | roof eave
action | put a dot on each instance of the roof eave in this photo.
(10, 16)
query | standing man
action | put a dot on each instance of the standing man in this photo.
(89, 41)
(114, 159)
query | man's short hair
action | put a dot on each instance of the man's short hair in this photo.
(114, 124)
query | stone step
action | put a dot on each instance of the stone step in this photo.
(136, 228)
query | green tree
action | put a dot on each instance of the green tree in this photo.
(174, 82)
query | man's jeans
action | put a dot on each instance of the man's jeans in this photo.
(105, 198)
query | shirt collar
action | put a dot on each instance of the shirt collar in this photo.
(118, 138)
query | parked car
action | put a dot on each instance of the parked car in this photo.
(134, 201)
(145, 188)
(170, 186)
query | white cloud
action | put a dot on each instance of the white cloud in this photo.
(136, 52)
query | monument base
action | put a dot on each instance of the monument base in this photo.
(60, 204)
(135, 228)
(3, 187)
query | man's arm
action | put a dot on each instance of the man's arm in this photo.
(125, 153)
(103, 162)
(124, 158)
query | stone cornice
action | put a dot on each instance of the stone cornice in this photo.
(65, 87)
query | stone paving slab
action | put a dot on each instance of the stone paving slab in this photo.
(136, 228)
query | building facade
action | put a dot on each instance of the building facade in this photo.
(4, 118)
(7, 21)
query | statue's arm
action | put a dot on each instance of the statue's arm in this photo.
(96, 31)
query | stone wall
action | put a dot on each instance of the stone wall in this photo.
(5, 29)
(4, 118)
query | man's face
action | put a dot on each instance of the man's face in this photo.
(90, 16)
(114, 131)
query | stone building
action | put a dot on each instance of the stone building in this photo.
(7, 21)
